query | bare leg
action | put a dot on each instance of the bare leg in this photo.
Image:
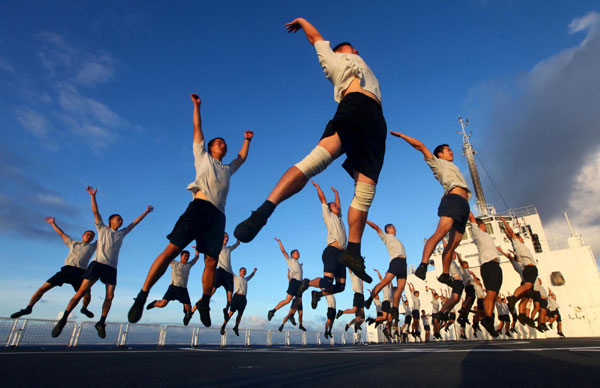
(387, 279)
(488, 303)
(356, 218)
(399, 291)
(443, 228)
(85, 287)
(38, 294)
(110, 294)
(287, 300)
(448, 253)
(160, 265)
(208, 276)
(161, 303)
(87, 298)
(522, 290)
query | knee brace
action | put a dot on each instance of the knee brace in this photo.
(315, 162)
(326, 282)
(338, 287)
(363, 196)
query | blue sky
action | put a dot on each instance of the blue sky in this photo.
(98, 94)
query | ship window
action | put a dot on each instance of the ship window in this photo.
(489, 228)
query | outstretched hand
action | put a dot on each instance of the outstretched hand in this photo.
(314, 183)
(334, 190)
(397, 134)
(248, 135)
(294, 25)
(196, 99)
(276, 239)
(50, 220)
(149, 209)
(91, 190)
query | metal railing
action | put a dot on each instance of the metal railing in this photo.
(37, 333)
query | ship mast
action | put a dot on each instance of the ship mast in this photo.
(469, 154)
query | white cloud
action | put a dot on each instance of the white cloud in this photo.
(33, 122)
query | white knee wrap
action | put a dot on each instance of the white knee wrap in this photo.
(363, 196)
(315, 162)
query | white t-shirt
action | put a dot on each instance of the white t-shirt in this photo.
(485, 244)
(536, 286)
(80, 253)
(240, 284)
(109, 243)
(502, 308)
(448, 174)
(357, 283)
(225, 258)
(212, 177)
(295, 268)
(455, 270)
(518, 267)
(393, 245)
(387, 292)
(407, 309)
(341, 69)
(180, 272)
(425, 320)
(523, 253)
(416, 302)
(377, 304)
(479, 291)
(552, 304)
(330, 301)
(543, 292)
(465, 275)
(336, 231)
(435, 305)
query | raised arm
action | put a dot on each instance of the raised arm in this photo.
(337, 197)
(196, 256)
(319, 192)
(507, 229)
(149, 209)
(243, 154)
(311, 32)
(508, 255)
(58, 230)
(285, 254)
(411, 288)
(92, 192)
(198, 134)
(374, 226)
(237, 243)
(251, 275)
(417, 144)
(378, 274)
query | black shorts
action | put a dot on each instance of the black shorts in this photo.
(379, 313)
(177, 293)
(537, 297)
(330, 313)
(386, 307)
(530, 273)
(457, 208)
(544, 303)
(359, 300)
(106, 273)
(416, 314)
(407, 319)
(293, 287)
(427, 327)
(331, 262)
(435, 316)
(491, 273)
(223, 279)
(360, 124)
(68, 274)
(457, 287)
(297, 304)
(480, 304)
(238, 303)
(202, 222)
(398, 267)
(558, 317)
(452, 316)
(470, 291)
(504, 318)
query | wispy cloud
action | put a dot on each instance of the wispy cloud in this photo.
(543, 132)
(33, 122)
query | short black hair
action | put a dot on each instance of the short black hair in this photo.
(385, 228)
(337, 46)
(182, 252)
(94, 233)
(293, 250)
(439, 149)
(211, 142)
(113, 216)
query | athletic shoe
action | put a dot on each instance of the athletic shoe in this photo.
(513, 330)
(462, 336)
(560, 333)
(271, 314)
(281, 328)
(357, 327)
(387, 335)
(225, 314)
(236, 331)
(368, 303)
(101, 329)
(546, 328)
(151, 305)
(511, 300)
(356, 265)
(27, 310)
(522, 318)
(445, 279)
(292, 320)
(339, 314)
(474, 334)
(303, 287)
(204, 311)
(446, 329)
(530, 322)
(186, 318)
(58, 328)
(301, 328)
(395, 313)
(421, 271)
(315, 299)
(223, 330)
(508, 334)
(135, 312)
(87, 312)
(539, 328)
(347, 327)
(326, 335)
(489, 326)
(249, 228)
